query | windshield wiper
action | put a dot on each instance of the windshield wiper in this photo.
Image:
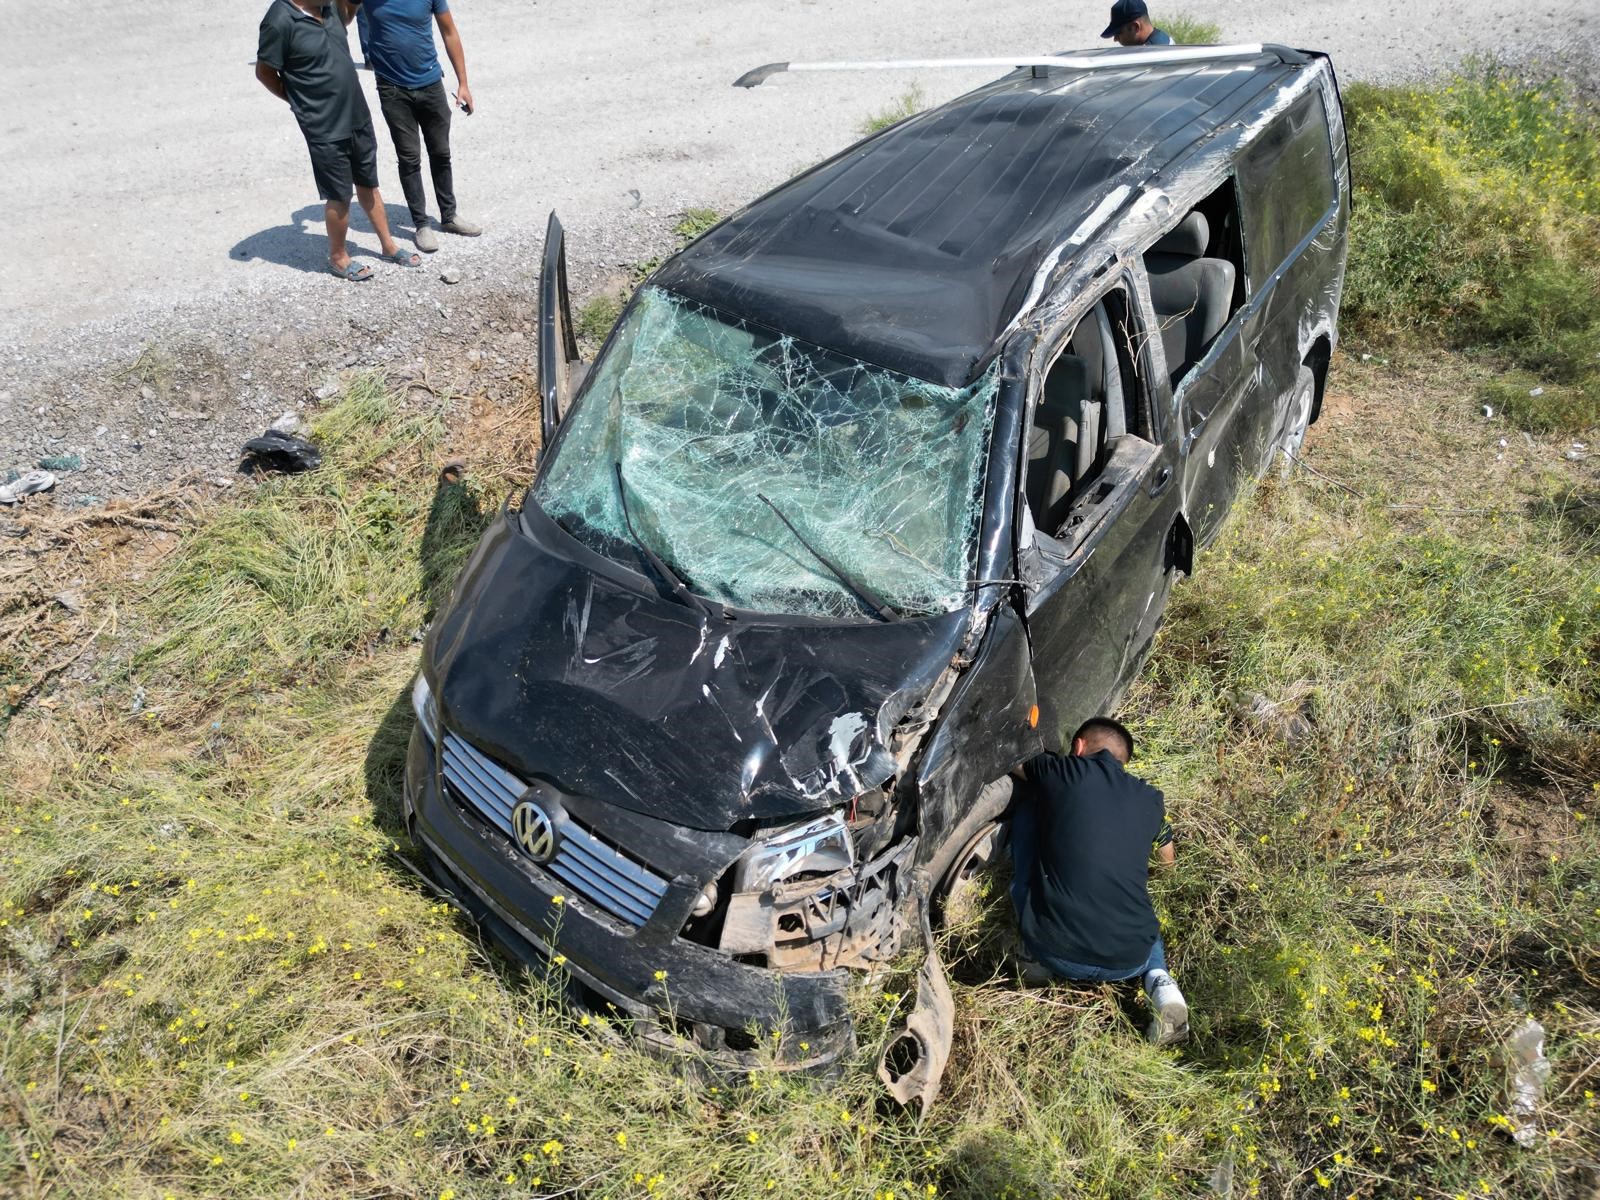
(862, 592)
(678, 588)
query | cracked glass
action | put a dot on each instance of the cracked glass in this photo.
(880, 473)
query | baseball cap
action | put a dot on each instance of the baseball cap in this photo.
(1124, 11)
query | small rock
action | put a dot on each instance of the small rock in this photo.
(147, 394)
(450, 275)
(71, 601)
(289, 422)
(100, 431)
(1503, 443)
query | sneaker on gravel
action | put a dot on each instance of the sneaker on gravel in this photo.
(426, 240)
(27, 485)
(1170, 1024)
(464, 228)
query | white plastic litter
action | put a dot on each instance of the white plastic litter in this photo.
(1488, 410)
(1538, 391)
(1530, 1071)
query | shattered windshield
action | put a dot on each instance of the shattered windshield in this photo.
(706, 415)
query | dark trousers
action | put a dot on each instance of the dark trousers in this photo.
(416, 117)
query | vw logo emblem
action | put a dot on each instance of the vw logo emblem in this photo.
(534, 831)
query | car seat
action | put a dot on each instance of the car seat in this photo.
(1190, 293)
(1064, 444)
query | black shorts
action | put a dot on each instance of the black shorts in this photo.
(338, 165)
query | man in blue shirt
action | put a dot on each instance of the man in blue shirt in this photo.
(397, 40)
(1130, 25)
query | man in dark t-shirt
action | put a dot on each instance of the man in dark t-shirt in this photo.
(304, 58)
(1081, 845)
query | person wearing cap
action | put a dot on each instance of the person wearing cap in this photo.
(1130, 25)
(397, 40)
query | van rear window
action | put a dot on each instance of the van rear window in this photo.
(1288, 186)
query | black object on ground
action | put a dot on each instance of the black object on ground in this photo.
(275, 450)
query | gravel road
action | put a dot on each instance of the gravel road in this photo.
(163, 293)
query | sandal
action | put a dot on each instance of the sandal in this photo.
(352, 272)
(406, 258)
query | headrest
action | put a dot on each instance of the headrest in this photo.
(1190, 238)
(1066, 386)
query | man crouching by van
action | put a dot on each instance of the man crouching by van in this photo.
(1080, 845)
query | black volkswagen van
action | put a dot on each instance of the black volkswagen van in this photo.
(870, 476)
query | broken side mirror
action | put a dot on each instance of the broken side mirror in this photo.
(560, 368)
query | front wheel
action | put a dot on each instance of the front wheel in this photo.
(960, 894)
(1291, 436)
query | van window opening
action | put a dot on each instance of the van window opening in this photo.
(1196, 275)
(1092, 398)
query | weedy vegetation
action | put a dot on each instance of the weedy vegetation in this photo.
(1187, 30)
(1477, 226)
(1374, 709)
(908, 104)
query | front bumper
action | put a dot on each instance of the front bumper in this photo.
(683, 996)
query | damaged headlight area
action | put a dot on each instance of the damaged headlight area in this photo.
(422, 703)
(800, 900)
(820, 846)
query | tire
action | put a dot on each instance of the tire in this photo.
(955, 892)
(1291, 436)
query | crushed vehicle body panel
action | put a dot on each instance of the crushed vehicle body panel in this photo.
(560, 668)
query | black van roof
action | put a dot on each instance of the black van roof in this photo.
(915, 248)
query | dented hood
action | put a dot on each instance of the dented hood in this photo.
(565, 666)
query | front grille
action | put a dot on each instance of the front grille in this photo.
(590, 866)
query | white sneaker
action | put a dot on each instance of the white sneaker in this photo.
(1170, 1024)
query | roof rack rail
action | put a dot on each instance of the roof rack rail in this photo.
(1092, 61)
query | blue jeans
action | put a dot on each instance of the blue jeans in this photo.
(1024, 854)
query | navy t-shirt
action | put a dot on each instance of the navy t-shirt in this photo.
(1088, 901)
(1158, 37)
(397, 39)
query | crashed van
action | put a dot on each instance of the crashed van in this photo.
(875, 490)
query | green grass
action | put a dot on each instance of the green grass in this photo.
(908, 104)
(692, 222)
(1187, 30)
(596, 316)
(1477, 224)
